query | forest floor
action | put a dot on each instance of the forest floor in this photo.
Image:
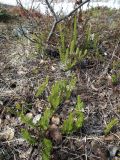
(22, 70)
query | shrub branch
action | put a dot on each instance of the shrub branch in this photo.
(58, 20)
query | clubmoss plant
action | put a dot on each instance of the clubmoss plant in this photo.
(40, 39)
(116, 76)
(35, 133)
(46, 149)
(75, 119)
(42, 88)
(110, 125)
(91, 39)
(114, 79)
(70, 55)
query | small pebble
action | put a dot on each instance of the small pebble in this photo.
(36, 118)
(29, 115)
(55, 120)
(53, 68)
(113, 151)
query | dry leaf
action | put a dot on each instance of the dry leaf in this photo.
(113, 150)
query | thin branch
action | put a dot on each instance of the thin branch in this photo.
(73, 11)
(25, 35)
(52, 30)
(56, 21)
(31, 7)
(51, 10)
(56, 17)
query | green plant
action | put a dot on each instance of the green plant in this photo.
(95, 12)
(57, 93)
(70, 55)
(75, 119)
(27, 136)
(110, 125)
(91, 39)
(45, 119)
(79, 113)
(42, 87)
(46, 149)
(36, 133)
(88, 37)
(116, 75)
(60, 91)
(116, 65)
(68, 124)
(114, 79)
(40, 39)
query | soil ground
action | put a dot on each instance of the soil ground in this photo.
(22, 70)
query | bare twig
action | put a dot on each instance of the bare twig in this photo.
(52, 30)
(51, 10)
(58, 20)
(25, 35)
(73, 11)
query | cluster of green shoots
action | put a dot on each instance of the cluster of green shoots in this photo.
(116, 76)
(110, 125)
(40, 40)
(115, 79)
(91, 40)
(35, 134)
(60, 92)
(72, 54)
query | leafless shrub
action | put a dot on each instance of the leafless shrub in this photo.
(47, 23)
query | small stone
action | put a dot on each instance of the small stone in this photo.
(41, 61)
(105, 54)
(113, 150)
(29, 115)
(36, 118)
(55, 120)
(55, 134)
(53, 68)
